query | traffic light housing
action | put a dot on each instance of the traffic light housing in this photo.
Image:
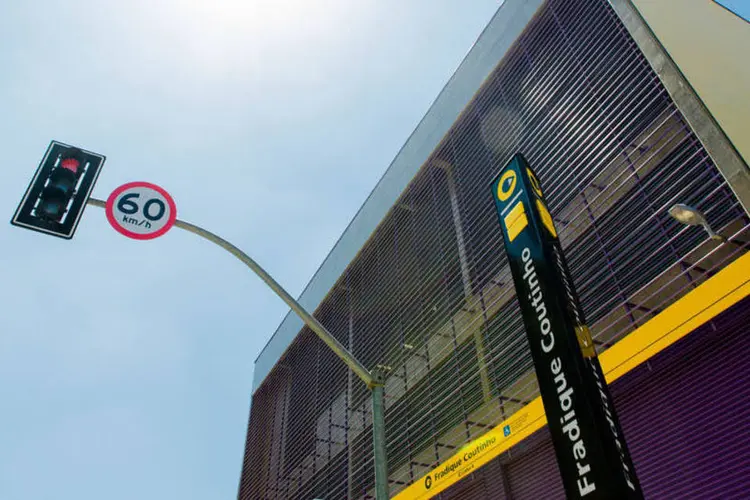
(55, 199)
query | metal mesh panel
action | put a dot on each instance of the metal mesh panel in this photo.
(430, 295)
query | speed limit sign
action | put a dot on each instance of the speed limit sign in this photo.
(141, 210)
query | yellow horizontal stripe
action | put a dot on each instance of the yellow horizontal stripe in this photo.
(715, 295)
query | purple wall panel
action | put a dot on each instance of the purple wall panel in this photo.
(535, 475)
(686, 413)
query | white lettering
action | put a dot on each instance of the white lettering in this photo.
(547, 347)
(572, 430)
(555, 365)
(566, 399)
(584, 487)
(579, 450)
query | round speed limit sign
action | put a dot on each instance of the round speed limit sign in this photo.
(141, 210)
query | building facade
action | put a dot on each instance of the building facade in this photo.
(600, 98)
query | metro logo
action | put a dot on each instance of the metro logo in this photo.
(507, 185)
(534, 183)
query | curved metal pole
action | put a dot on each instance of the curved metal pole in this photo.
(374, 382)
(308, 318)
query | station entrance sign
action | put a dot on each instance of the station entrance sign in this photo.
(591, 452)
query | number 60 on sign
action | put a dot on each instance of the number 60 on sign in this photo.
(141, 210)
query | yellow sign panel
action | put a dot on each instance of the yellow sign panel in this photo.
(476, 453)
(546, 218)
(586, 343)
(718, 293)
(515, 221)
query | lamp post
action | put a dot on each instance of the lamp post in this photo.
(374, 380)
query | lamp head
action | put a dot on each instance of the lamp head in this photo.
(691, 216)
(687, 215)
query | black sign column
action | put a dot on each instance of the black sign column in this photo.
(589, 444)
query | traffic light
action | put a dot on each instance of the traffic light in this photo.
(55, 199)
(60, 188)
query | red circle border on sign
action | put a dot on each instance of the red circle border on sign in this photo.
(109, 210)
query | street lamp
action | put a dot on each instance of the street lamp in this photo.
(375, 380)
(691, 216)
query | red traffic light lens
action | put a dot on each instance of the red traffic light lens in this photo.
(71, 164)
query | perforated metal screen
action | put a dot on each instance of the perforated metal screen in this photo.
(430, 294)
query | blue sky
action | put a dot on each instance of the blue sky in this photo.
(126, 366)
(739, 7)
